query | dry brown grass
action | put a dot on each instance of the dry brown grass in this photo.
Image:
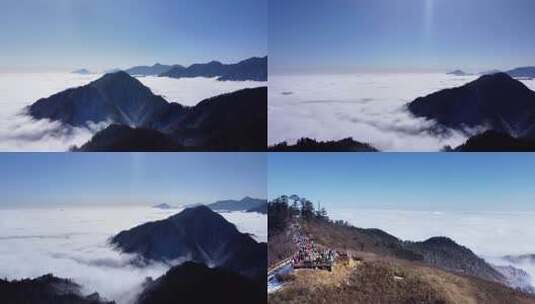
(377, 271)
(390, 281)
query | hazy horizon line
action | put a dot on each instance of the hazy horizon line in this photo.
(97, 70)
(56, 205)
(276, 71)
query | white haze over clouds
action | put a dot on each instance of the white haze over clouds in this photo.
(19, 132)
(366, 106)
(491, 235)
(72, 243)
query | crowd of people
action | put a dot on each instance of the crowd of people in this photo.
(308, 254)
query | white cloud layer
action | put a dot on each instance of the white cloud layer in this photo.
(368, 107)
(190, 91)
(490, 235)
(72, 243)
(19, 132)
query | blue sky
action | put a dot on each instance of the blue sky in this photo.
(70, 179)
(407, 181)
(307, 35)
(103, 34)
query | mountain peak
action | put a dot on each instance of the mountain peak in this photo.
(496, 101)
(458, 73)
(441, 241)
(500, 76)
(202, 214)
(115, 97)
(115, 76)
(195, 234)
(196, 211)
(118, 80)
(81, 72)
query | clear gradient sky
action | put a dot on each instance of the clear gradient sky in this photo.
(103, 34)
(88, 179)
(308, 35)
(407, 181)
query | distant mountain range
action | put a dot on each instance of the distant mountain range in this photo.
(47, 289)
(247, 204)
(81, 72)
(196, 283)
(153, 70)
(446, 254)
(522, 72)
(231, 122)
(254, 68)
(493, 102)
(163, 206)
(198, 235)
(250, 69)
(458, 73)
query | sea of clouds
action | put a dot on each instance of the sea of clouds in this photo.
(73, 243)
(19, 132)
(491, 235)
(370, 107)
(191, 91)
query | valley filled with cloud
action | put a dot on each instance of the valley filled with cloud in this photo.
(370, 107)
(73, 243)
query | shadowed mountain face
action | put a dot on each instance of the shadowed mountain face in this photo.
(250, 69)
(245, 204)
(45, 290)
(230, 122)
(153, 70)
(119, 138)
(116, 98)
(440, 252)
(196, 283)
(497, 102)
(196, 234)
(311, 145)
(446, 254)
(491, 141)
